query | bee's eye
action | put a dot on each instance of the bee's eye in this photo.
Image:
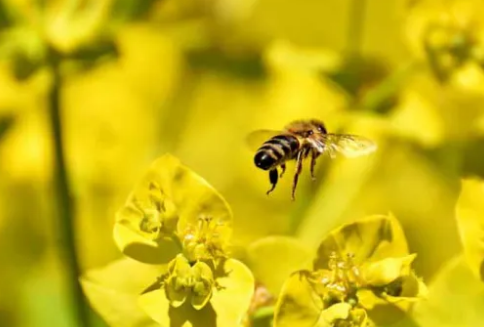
(310, 132)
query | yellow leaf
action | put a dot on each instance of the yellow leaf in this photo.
(273, 259)
(470, 220)
(298, 305)
(227, 306)
(168, 199)
(113, 291)
(369, 239)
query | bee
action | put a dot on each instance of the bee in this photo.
(297, 141)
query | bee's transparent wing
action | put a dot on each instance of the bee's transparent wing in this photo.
(348, 145)
(256, 138)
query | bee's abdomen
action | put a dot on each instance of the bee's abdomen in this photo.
(275, 151)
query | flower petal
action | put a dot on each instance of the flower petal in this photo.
(372, 238)
(298, 305)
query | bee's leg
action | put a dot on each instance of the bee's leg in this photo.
(299, 159)
(283, 166)
(314, 156)
(273, 175)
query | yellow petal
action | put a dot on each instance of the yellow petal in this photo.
(371, 238)
(236, 287)
(385, 271)
(298, 304)
(470, 221)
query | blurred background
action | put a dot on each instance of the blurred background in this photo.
(139, 78)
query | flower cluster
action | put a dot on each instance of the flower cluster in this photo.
(178, 226)
(174, 218)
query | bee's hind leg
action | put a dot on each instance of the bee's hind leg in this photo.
(273, 176)
(299, 160)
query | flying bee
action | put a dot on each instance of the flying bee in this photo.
(297, 141)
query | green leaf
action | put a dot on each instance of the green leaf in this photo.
(273, 259)
(470, 221)
(298, 305)
(369, 239)
(113, 291)
(227, 307)
(455, 299)
(169, 199)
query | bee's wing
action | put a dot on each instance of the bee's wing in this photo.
(255, 139)
(348, 145)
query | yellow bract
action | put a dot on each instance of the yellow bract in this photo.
(387, 270)
(370, 239)
(169, 199)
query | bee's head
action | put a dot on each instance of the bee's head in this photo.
(318, 127)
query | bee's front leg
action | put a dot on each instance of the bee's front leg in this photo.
(273, 176)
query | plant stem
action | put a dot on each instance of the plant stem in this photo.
(64, 202)
(355, 26)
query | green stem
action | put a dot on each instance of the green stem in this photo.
(355, 26)
(64, 202)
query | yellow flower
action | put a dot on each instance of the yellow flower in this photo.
(360, 267)
(158, 218)
(449, 34)
(175, 217)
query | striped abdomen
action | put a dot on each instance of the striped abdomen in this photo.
(275, 151)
